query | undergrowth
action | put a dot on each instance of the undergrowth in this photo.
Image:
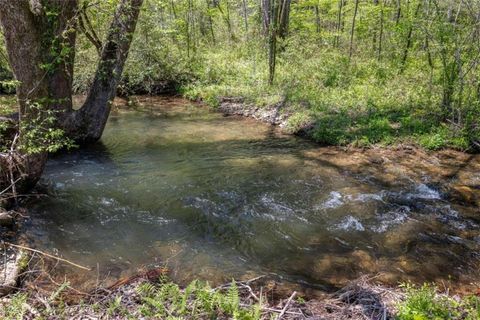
(425, 303)
(197, 300)
(163, 300)
(344, 103)
(167, 300)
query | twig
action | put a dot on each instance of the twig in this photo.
(9, 187)
(267, 309)
(286, 305)
(254, 279)
(251, 292)
(47, 255)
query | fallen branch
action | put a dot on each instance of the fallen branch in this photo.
(286, 305)
(10, 186)
(46, 254)
(266, 309)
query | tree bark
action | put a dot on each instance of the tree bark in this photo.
(374, 32)
(409, 40)
(284, 18)
(40, 40)
(272, 40)
(317, 18)
(266, 10)
(87, 124)
(34, 41)
(352, 32)
(380, 36)
(245, 16)
(339, 23)
(398, 14)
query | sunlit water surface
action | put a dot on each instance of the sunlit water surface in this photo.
(215, 198)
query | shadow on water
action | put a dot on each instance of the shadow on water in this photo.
(216, 198)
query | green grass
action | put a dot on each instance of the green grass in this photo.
(15, 309)
(425, 303)
(357, 103)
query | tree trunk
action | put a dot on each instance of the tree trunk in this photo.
(266, 16)
(226, 18)
(272, 40)
(352, 32)
(374, 32)
(41, 51)
(87, 124)
(284, 18)
(41, 54)
(380, 36)
(339, 23)
(210, 23)
(399, 12)
(245, 16)
(34, 42)
(409, 41)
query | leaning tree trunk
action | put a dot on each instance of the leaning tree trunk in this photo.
(41, 50)
(87, 124)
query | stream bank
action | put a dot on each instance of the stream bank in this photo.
(147, 297)
(452, 170)
(13, 261)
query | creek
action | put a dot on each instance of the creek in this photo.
(217, 198)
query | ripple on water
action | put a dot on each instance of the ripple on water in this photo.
(366, 197)
(391, 218)
(277, 207)
(423, 191)
(334, 201)
(207, 206)
(233, 196)
(349, 223)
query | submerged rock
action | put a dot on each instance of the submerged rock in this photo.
(464, 194)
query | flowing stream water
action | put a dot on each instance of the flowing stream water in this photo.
(216, 197)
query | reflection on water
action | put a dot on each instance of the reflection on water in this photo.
(216, 198)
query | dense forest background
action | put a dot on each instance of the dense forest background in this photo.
(351, 71)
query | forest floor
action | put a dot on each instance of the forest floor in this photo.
(150, 295)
